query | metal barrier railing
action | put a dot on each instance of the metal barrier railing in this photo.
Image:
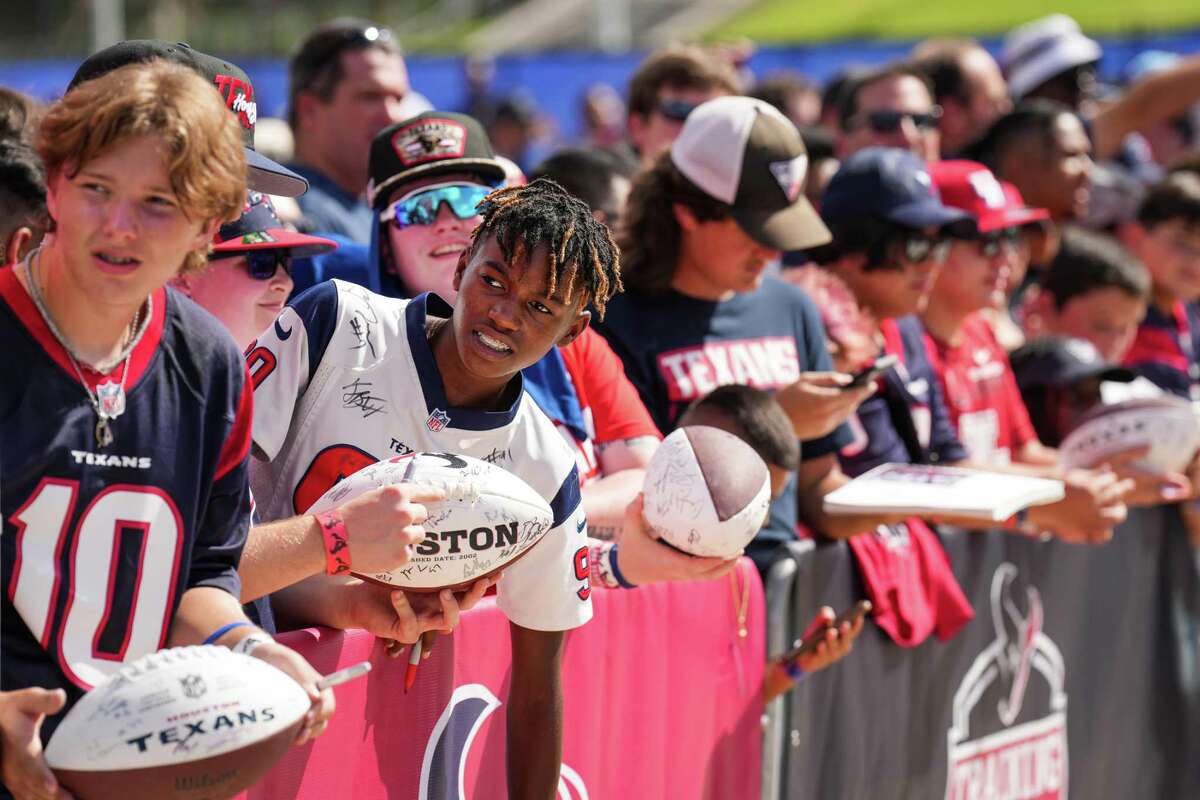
(778, 590)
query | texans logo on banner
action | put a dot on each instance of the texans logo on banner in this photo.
(1008, 737)
(444, 766)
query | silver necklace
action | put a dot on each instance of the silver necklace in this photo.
(108, 400)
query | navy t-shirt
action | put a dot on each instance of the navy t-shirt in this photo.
(910, 397)
(676, 349)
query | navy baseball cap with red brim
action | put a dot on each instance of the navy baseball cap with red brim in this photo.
(259, 228)
(230, 80)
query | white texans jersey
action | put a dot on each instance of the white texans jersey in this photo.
(346, 377)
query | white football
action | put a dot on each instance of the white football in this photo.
(706, 492)
(189, 722)
(1167, 424)
(489, 518)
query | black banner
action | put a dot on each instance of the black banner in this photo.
(1077, 677)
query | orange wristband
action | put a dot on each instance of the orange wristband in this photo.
(337, 542)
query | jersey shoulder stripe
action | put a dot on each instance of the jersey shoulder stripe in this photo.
(317, 308)
(567, 499)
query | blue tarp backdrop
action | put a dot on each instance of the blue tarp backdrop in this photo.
(557, 80)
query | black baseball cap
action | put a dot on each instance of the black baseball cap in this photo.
(1058, 361)
(231, 81)
(890, 184)
(431, 143)
(745, 153)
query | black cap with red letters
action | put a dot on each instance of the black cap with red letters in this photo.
(231, 81)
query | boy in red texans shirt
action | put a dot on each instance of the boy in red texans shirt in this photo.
(977, 381)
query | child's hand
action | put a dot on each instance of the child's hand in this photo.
(835, 644)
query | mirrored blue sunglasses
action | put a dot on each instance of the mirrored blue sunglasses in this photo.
(422, 206)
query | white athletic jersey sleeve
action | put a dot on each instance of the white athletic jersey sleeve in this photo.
(352, 381)
(529, 583)
(281, 354)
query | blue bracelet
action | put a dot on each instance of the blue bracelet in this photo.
(792, 668)
(612, 561)
(224, 629)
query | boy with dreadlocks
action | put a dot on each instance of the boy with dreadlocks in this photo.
(346, 377)
(427, 176)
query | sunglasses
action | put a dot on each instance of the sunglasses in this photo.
(261, 264)
(323, 48)
(993, 243)
(891, 121)
(422, 206)
(676, 110)
(908, 247)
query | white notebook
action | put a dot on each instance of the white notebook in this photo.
(921, 490)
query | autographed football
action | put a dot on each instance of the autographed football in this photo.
(1167, 424)
(190, 723)
(489, 518)
(706, 492)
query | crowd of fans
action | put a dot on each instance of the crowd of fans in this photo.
(722, 252)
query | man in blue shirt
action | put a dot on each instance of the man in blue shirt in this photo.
(346, 82)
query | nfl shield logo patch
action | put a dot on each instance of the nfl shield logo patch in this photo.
(111, 399)
(437, 420)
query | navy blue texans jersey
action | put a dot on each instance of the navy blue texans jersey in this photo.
(99, 545)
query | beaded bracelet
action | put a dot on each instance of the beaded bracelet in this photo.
(600, 570)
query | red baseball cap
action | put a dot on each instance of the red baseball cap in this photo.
(970, 186)
(259, 228)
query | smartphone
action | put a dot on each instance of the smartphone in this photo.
(868, 374)
(852, 615)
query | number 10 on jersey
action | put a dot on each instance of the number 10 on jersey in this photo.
(112, 573)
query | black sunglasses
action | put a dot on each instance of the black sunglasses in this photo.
(261, 264)
(991, 244)
(908, 246)
(321, 50)
(890, 121)
(676, 110)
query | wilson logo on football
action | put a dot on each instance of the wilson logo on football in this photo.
(1008, 737)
